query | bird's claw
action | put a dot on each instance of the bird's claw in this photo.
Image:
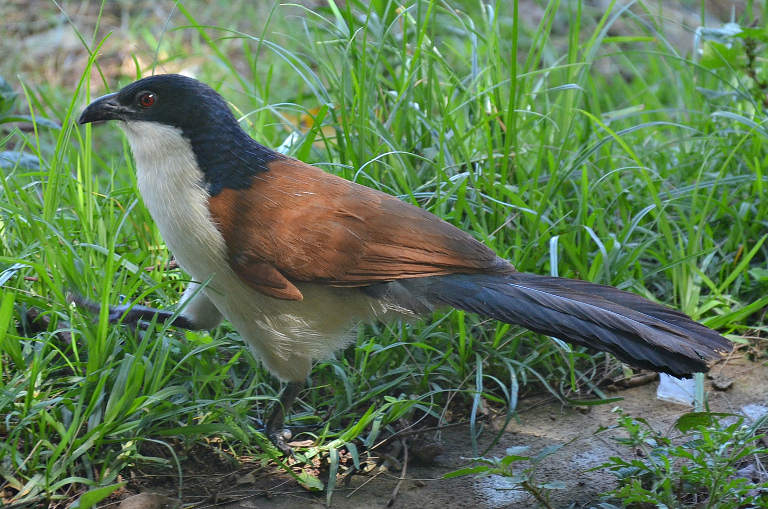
(279, 439)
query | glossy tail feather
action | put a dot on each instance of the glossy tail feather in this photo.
(636, 330)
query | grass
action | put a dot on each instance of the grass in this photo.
(698, 466)
(647, 176)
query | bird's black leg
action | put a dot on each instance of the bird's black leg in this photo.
(274, 427)
(133, 315)
(198, 312)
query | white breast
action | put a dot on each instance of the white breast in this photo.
(171, 185)
(287, 335)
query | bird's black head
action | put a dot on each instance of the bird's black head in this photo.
(168, 99)
(226, 155)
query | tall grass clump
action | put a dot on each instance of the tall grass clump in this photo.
(567, 149)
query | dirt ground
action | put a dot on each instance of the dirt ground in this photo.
(540, 424)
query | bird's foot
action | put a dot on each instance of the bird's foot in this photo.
(280, 439)
(274, 427)
(280, 436)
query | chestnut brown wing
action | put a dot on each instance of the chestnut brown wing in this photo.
(298, 223)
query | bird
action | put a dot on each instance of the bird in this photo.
(295, 257)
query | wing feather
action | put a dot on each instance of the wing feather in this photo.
(298, 223)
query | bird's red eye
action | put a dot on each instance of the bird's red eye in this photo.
(147, 99)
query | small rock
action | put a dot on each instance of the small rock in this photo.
(425, 450)
(149, 501)
(721, 382)
(246, 479)
(754, 411)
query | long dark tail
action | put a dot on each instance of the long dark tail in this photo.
(636, 330)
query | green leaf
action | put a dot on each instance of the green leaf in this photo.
(332, 472)
(310, 482)
(693, 420)
(10, 159)
(40, 122)
(737, 315)
(92, 497)
(716, 55)
(757, 33)
(759, 273)
(309, 139)
(511, 458)
(9, 343)
(7, 97)
(516, 450)
(206, 429)
(743, 264)
(553, 485)
(352, 449)
(546, 451)
(467, 471)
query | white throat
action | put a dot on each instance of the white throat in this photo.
(171, 184)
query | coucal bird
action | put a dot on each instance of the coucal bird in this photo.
(294, 257)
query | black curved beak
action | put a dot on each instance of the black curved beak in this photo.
(104, 108)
